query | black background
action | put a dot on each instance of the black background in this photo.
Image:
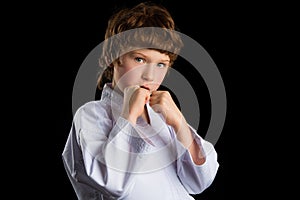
(50, 42)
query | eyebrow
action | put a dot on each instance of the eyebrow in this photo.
(135, 52)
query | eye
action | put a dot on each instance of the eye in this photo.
(139, 60)
(161, 65)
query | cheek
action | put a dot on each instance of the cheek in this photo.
(131, 77)
(128, 77)
(159, 77)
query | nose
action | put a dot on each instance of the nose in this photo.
(148, 73)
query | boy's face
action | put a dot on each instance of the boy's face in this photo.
(143, 67)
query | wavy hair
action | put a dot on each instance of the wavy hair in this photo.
(146, 25)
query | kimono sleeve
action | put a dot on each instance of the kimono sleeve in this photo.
(196, 178)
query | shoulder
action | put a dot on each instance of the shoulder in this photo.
(91, 114)
(92, 106)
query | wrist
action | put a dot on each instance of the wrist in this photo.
(129, 118)
(179, 123)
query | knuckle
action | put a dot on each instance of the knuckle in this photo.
(165, 94)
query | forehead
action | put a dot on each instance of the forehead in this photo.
(150, 53)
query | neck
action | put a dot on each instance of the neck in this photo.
(117, 89)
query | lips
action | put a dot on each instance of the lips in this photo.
(145, 87)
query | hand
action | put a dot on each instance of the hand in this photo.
(162, 102)
(135, 99)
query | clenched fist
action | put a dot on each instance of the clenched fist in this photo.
(162, 102)
(135, 99)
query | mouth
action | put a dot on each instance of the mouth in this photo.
(145, 87)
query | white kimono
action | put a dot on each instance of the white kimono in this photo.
(106, 157)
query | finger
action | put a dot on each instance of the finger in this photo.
(147, 98)
(154, 100)
(157, 108)
(156, 97)
(160, 110)
(156, 93)
(143, 94)
(144, 91)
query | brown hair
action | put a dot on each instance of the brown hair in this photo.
(149, 17)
